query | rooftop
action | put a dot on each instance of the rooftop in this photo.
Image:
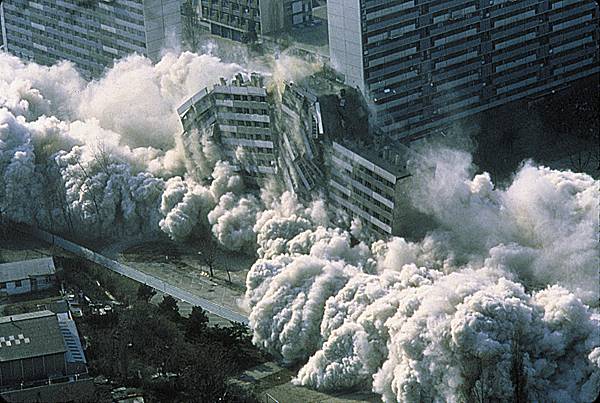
(383, 152)
(238, 85)
(24, 269)
(29, 335)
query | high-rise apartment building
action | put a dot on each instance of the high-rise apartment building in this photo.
(237, 116)
(425, 63)
(90, 33)
(245, 20)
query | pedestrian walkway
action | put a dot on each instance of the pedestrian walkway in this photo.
(140, 277)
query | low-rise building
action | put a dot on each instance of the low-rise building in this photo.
(39, 348)
(27, 276)
(237, 116)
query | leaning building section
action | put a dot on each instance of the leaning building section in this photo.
(236, 115)
(314, 137)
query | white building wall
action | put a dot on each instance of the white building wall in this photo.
(12, 289)
(163, 25)
(3, 44)
(345, 40)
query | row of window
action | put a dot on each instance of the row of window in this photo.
(244, 123)
(19, 283)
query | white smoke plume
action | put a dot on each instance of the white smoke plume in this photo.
(232, 222)
(543, 226)
(490, 305)
(95, 158)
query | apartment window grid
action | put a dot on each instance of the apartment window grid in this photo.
(243, 122)
(357, 198)
(240, 15)
(461, 55)
(92, 37)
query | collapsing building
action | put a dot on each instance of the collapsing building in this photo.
(366, 182)
(300, 124)
(236, 115)
(314, 137)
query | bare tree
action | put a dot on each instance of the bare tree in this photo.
(209, 258)
(517, 373)
(89, 177)
(477, 378)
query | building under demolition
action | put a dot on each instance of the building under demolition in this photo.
(327, 145)
(314, 136)
(237, 116)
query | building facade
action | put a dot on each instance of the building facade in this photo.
(367, 183)
(90, 33)
(426, 63)
(27, 276)
(237, 116)
(37, 347)
(300, 127)
(243, 20)
(324, 145)
(327, 146)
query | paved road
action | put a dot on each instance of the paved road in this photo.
(140, 277)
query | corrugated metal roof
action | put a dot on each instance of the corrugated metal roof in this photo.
(24, 269)
(28, 335)
(71, 336)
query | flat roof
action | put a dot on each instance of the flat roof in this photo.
(26, 268)
(28, 335)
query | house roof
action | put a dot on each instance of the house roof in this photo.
(26, 268)
(29, 335)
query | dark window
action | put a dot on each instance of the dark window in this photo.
(18, 283)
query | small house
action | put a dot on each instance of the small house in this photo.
(27, 276)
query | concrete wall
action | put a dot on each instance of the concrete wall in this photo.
(13, 289)
(271, 15)
(163, 26)
(345, 40)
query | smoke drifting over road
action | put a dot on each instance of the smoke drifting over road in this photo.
(489, 304)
